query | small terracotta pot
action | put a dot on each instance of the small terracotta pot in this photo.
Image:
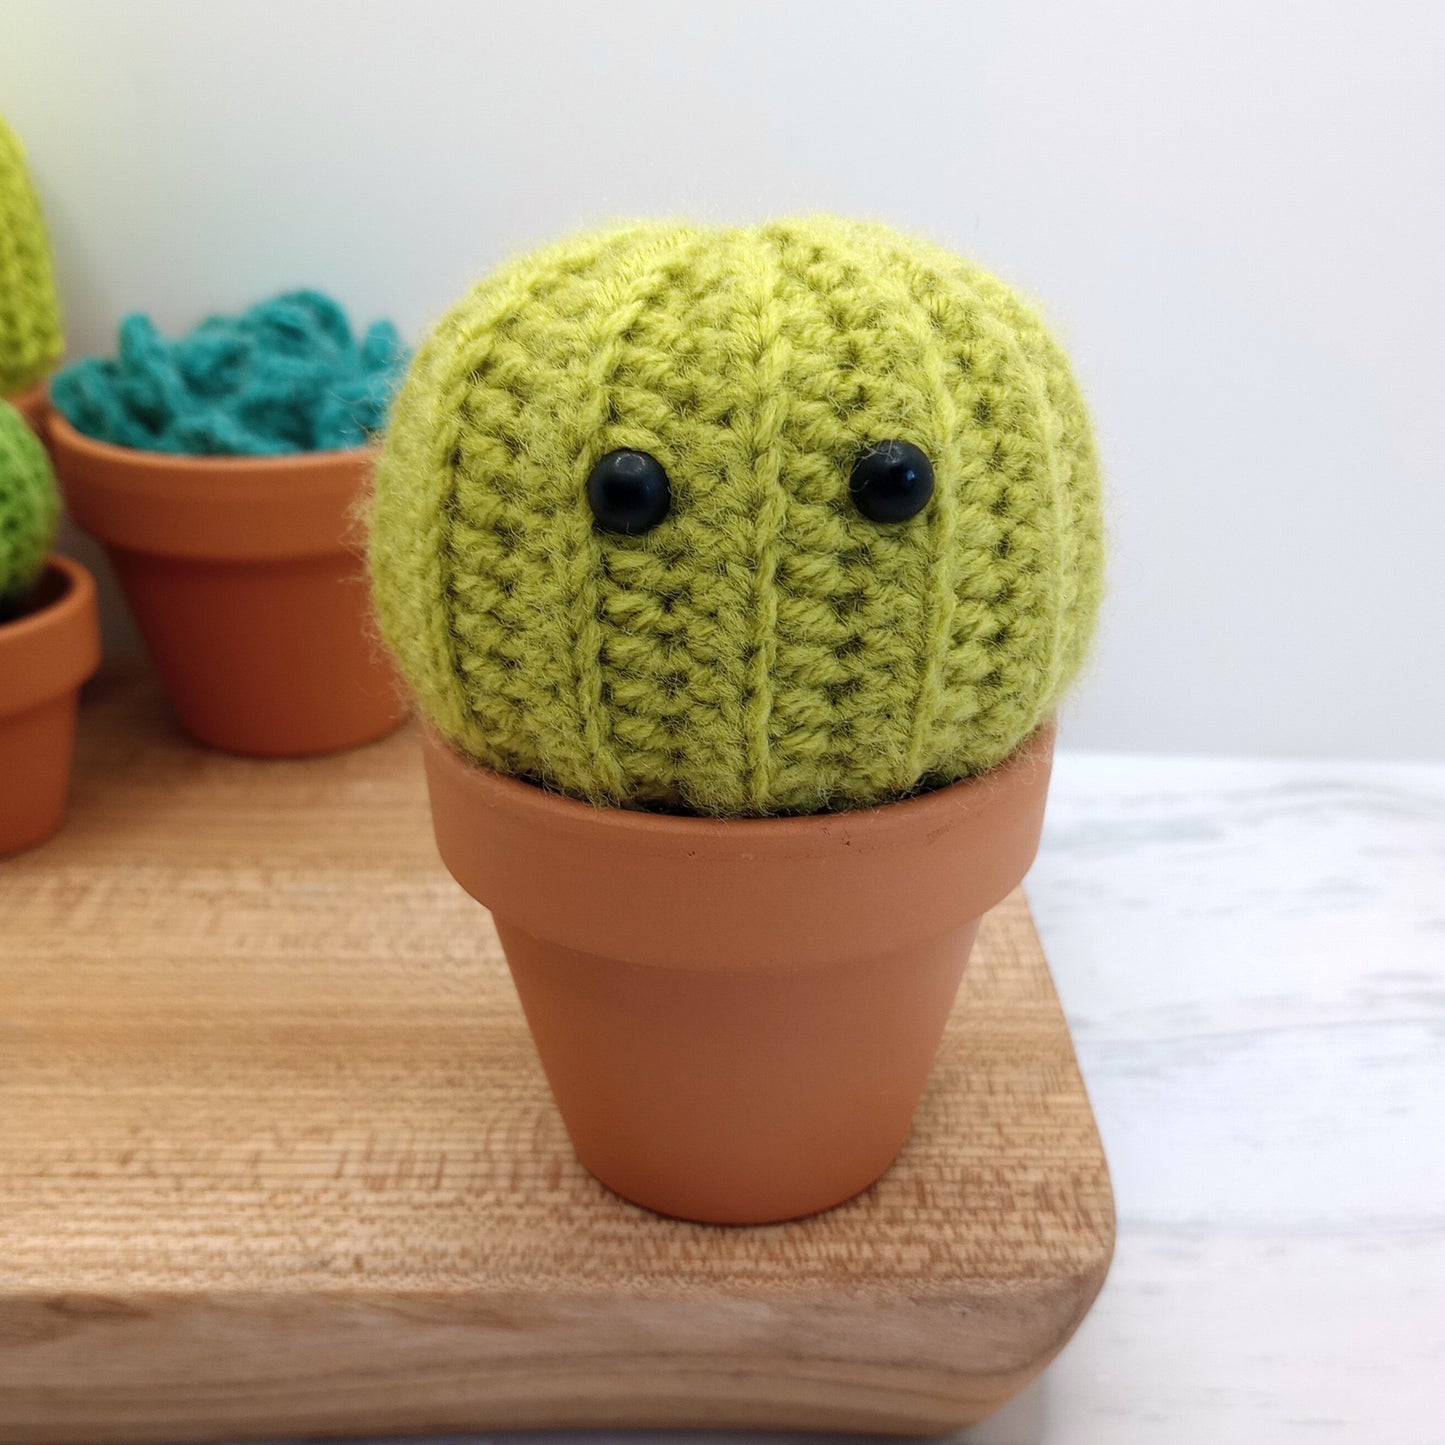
(737, 1018)
(247, 579)
(33, 403)
(44, 657)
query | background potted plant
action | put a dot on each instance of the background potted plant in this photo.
(222, 472)
(737, 574)
(31, 340)
(49, 642)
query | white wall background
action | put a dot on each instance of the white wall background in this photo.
(1233, 211)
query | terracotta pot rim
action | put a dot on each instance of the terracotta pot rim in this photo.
(67, 433)
(78, 591)
(213, 509)
(871, 826)
(708, 893)
(54, 648)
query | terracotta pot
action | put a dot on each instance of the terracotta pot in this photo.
(247, 579)
(33, 403)
(44, 657)
(737, 1018)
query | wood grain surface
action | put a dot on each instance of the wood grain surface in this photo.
(276, 1156)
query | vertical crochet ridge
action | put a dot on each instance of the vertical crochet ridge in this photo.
(766, 505)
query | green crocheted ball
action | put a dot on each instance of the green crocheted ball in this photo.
(765, 647)
(29, 507)
(30, 335)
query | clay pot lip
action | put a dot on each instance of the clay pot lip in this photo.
(634, 831)
(737, 894)
(55, 647)
(77, 596)
(213, 508)
(66, 434)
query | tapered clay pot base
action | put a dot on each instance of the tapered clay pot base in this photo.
(757, 1096)
(737, 1018)
(268, 658)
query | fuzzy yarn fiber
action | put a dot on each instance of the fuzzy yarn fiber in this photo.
(30, 336)
(765, 649)
(29, 507)
(285, 376)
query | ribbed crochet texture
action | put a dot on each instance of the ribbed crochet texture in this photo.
(29, 508)
(30, 336)
(285, 376)
(766, 649)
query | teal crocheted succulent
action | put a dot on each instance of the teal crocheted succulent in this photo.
(29, 509)
(286, 376)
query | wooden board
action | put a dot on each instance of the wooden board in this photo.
(276, 1156)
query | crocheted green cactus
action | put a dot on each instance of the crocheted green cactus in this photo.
(652, 528)
(29, 509)
(30, 336)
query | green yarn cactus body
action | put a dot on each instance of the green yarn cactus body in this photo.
(31, 340)
(766, 648)
(29, 510)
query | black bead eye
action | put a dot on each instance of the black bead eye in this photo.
(628, 493)
(891, 482)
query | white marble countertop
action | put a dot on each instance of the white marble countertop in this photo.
(1252, 957)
